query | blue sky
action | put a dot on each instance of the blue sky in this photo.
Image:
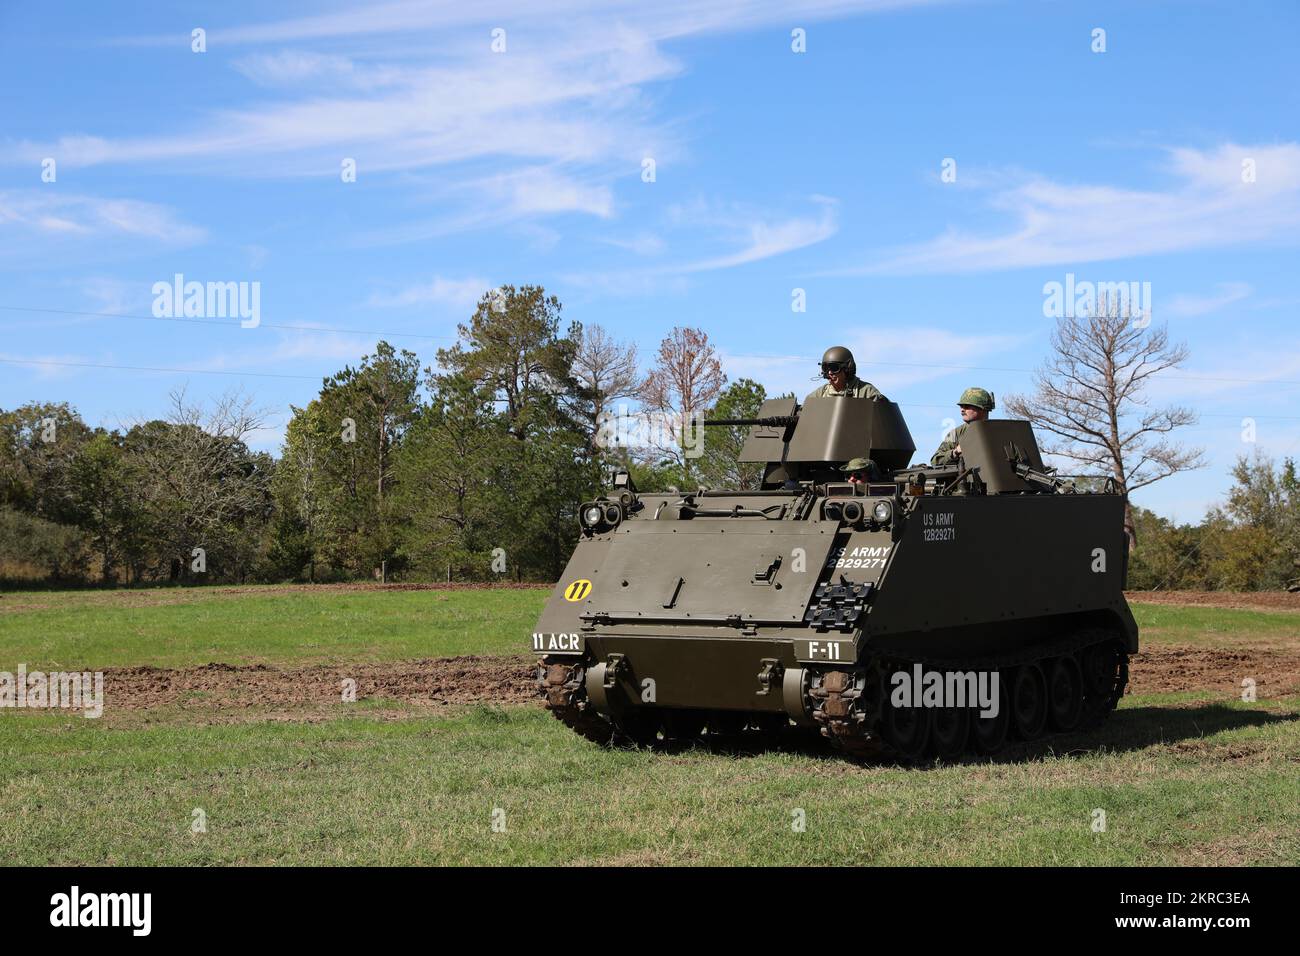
(774, 170)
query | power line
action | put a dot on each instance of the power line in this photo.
(228, 325)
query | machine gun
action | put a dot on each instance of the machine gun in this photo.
(772, 421)
(1042, 480)
(801, 443)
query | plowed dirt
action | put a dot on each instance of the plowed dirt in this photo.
(260, 691)
(1252, 600)
(1168, 669)
(235, 692)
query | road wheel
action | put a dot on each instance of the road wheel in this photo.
(988, 734)
(1065, 693)
(1029, 701)
(949, 732)
(906, 730)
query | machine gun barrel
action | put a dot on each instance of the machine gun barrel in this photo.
(1047, 483)
(775, 421)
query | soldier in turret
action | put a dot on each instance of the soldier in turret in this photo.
(859, 471)
(975, 404)
(841, 374)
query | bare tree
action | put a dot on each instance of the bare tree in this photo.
(686, 379)
(606, 370)
(199, 480)
(1089, 396)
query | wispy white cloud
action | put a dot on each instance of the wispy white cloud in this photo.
(108, 294)
(1210, 203)
(459, 293)
(290, 68)
(750, 235)
(560, 114)
(56, 215)
(768, 237)
(574, 103)
(643, 244)
(668, 18)
(1186, 304)
(290, 347)
(539, 190)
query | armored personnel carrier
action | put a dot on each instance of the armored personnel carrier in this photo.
(922, 613)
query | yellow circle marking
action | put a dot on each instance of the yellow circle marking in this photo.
(577, 590)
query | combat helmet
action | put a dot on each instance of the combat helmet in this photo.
(839, 354)
(980, 398)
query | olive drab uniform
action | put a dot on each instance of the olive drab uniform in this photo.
(946, 453)
(853, 388)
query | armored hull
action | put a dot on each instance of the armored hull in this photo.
(927, 613)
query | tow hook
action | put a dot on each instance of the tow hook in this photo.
(615, 667)
(769, 676)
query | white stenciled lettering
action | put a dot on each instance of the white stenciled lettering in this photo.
(556, 642)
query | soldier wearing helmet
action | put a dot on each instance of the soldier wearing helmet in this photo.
(858, 471)
(975, 404)
(841, 374)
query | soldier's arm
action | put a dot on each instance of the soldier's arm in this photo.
(945, 454)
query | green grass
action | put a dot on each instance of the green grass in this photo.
(179, 628)
(1195, 777)
(186, 627)
(1174, 624)
(423, 791)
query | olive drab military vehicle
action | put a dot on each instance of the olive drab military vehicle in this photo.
(925, 612)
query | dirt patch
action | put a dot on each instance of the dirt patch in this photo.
(1231, 753)
(1169, 669)
(1250, 600)
(265, 691)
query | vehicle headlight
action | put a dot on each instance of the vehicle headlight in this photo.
(883, 511)
(591, 517)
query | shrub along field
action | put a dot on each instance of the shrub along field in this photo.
(227, 701)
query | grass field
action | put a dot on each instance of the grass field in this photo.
(181, 628)
(1190, 775)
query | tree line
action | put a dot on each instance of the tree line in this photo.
(472, 468)
(469, 469)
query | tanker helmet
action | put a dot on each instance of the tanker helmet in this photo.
(839, 356)
(977, 397)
